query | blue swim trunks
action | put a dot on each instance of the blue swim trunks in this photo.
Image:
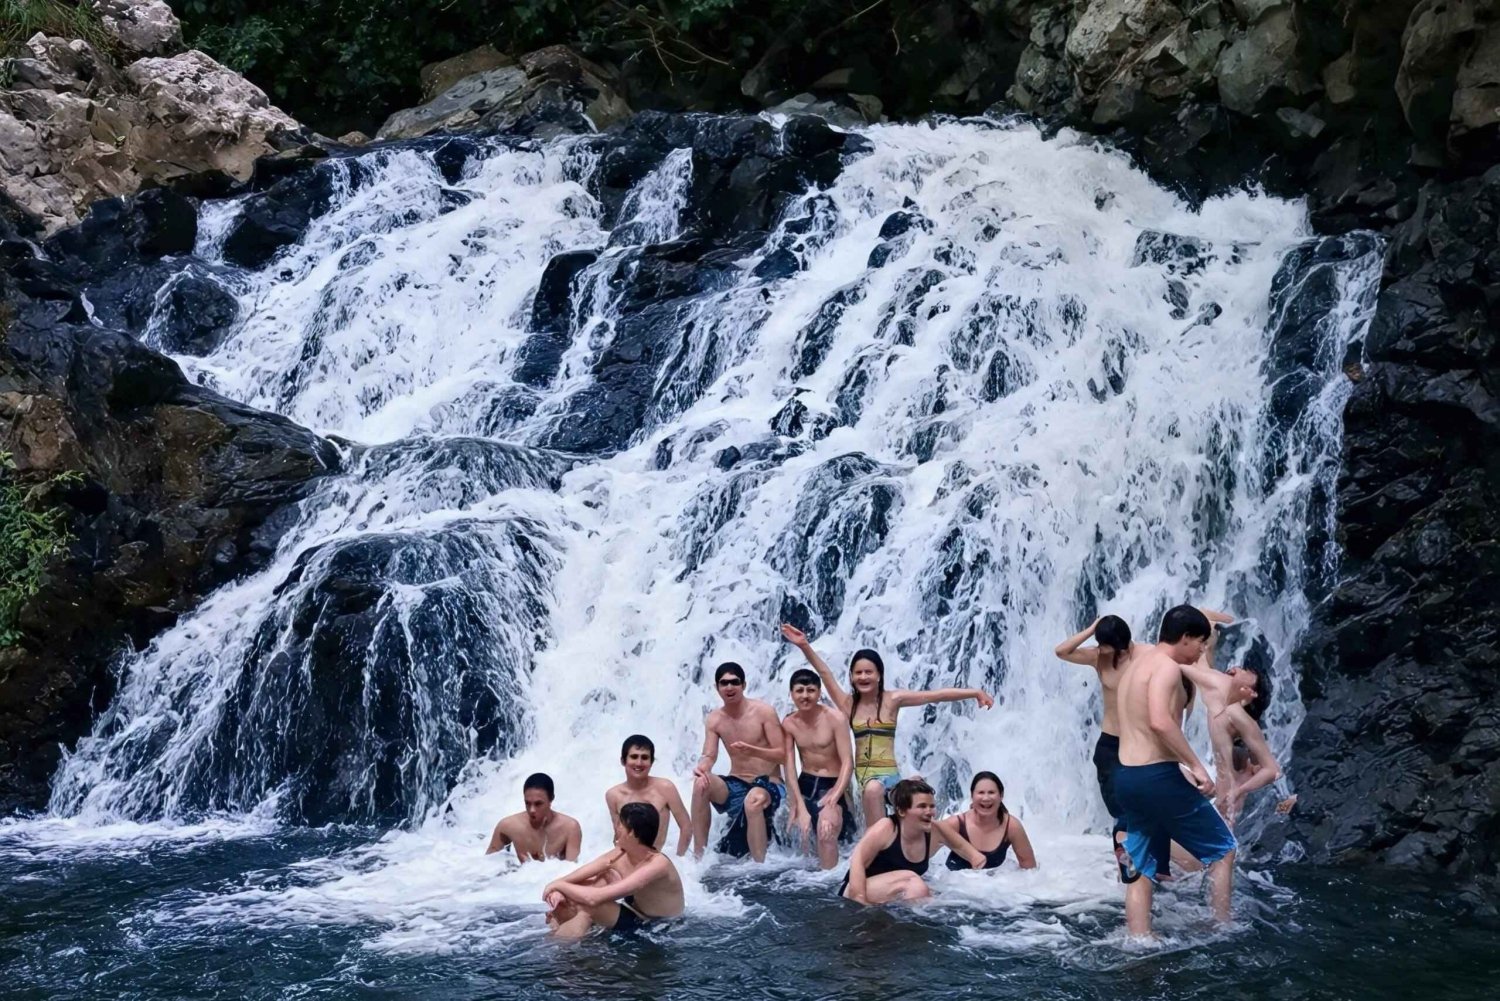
(734, 841)
(1160, 806)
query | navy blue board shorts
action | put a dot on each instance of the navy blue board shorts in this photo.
(813, 788)
(1161, 806)
(734, 841)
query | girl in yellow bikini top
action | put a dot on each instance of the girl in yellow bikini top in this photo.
(867, 704)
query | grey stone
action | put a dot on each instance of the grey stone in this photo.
(1266, 60)
(1476, 93)
(140, 27)
(439, 76)
(460, 106)
(1432, 46)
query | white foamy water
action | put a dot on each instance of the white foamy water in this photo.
(1019, 423)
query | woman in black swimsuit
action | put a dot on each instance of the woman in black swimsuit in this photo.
(989, 827)
(890, 860)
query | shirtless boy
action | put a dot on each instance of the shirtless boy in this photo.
(638, 755)
(648, 888)
(1242, 758)
(752, 734)
(540, 832)
(1159, 805)
(821, 734)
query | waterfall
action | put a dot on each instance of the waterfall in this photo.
(982, 386)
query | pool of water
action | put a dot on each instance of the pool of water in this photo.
(255, 916)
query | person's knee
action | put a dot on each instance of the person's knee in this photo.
(916, 888)
(828, 834)
(757, 801)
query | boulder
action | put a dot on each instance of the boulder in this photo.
(440, 76)
(1265, 65)
(551, 90)
(1433, 46)
(1474, 118)
(77, 128)
(140, 27)
(1110, 33)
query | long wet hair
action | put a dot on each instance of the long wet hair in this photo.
(1113, 631)
(873, 658)
(979, 777)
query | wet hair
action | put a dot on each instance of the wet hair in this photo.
(980, 777)
(907, 790)
(1184, 620)
(1257, 706)
(726, 668)
(636, 740)
(641, 820)
(802, 676)
(542, 781)
(873, 658)
(1113, 631)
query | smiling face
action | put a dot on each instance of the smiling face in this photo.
(986, 797)
(731, 689)
(923, 808)
(638, 762)
(864, 676)
(806, 696)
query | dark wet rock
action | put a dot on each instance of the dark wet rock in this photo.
(278, 217)
(788, 420)
(777, 264)
(551, 319)
(196, 316)
(173, 486)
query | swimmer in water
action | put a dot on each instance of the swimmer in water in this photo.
(890, 860)
(638, 754)
(989, 827)
(1160, 805)
(540, 832)
(872, 710)
(1112, 651)
(820, 734)
(647, 889)
(749, 794)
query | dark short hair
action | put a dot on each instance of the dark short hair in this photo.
(981, 776)
(1113, 631)
(542, 781)
(636, 740)
(802, 676)
(728, 667)
(1257, 706)
(903, 792)
(1184, 620)
(642, 820)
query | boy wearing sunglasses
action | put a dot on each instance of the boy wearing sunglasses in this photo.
(750, 794)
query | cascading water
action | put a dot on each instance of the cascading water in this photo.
(981, 388)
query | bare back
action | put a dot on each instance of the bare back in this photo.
(662, 897)
(1139, 743)
(816, 735)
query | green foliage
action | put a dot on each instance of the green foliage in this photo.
(20, 19)
(31, 533)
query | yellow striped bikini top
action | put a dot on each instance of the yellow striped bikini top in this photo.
(875, 744)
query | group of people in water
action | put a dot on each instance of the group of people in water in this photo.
(1166, 806)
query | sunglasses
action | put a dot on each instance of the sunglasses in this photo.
(731, 682)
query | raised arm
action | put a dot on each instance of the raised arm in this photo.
(1020, 843)
(1167, 726)
(1069, 651)
(947, 832)
(679, 817)
(831, 684)
(909, 697)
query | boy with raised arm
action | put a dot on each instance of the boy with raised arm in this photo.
(648, 888)
(1160, 806)
(751, 733)
(821, 735)
(638, 754)
(540, 832)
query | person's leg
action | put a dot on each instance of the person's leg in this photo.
(892, 886)
(873, 796)
(1138, 908)
(830, 825)
(715, 791)
(757, 833)
(1221, 886)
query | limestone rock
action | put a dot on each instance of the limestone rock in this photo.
(76, 129)
(1112, 31)
(141, 27)
(439, 76)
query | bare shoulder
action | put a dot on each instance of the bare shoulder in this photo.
(508, 824)
(663, 785)
(767, 710)
(714, 718)
(571, 823)
(835, 716)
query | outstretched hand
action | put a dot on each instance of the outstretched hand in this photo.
(984, 700)
(793, 635)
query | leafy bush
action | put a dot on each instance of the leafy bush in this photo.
(31, 533)
(20, 19)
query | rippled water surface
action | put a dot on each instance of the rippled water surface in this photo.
(164, 919)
